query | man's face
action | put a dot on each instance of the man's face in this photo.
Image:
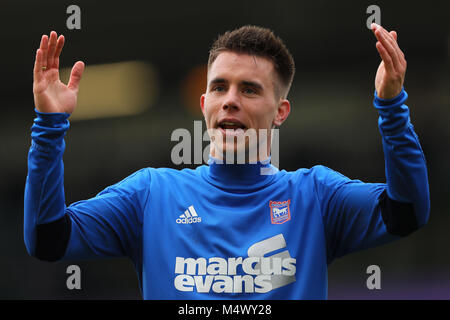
(240, 97)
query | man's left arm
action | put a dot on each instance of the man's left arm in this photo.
(406, 172)
(361, 215)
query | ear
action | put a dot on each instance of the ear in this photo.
(284, 108)
(202, 103)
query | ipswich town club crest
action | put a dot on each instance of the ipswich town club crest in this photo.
(279, 211)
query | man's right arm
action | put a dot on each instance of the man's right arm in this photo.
(44, 192)
(108, 224)
(46, 226)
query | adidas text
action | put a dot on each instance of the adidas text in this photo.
(189, 220)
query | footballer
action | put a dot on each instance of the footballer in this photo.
(225, 230)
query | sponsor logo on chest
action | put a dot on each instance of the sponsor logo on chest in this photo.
(257, 273)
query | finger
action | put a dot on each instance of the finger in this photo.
(386, 36)
(51, 49)
(388, 43)
(386, 57)
(75, 75)
(392, 38)
(44, 48)
(59, 46)
(399, 51)
(38, 64)
(374, 26)
(394, 34)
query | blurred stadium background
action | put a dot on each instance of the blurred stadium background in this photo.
(145, 72)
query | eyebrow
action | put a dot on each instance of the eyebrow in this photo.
(245, 82)
(252, 84)
(217, 80)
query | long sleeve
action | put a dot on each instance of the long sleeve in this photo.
(44, 188)
(405, 165)
(360, 215)
(107, 225)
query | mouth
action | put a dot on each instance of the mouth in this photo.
(231, 126)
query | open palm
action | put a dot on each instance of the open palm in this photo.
(50, 94)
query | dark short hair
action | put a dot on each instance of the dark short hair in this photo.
(260, 42)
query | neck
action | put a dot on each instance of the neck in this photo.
(240, 176)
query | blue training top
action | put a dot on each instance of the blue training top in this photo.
(226, 231)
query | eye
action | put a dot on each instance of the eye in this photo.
(249, 90)
(218, 88)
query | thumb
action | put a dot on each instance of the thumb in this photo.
(75, 75)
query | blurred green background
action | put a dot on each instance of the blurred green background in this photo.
(153, 55)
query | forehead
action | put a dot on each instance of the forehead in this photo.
(231, 65)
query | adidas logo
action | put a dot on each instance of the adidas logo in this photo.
(189, 216)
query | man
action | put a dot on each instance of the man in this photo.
(226, 230)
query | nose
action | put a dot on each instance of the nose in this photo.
(231, 100)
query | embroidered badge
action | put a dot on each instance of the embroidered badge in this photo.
(279, 211)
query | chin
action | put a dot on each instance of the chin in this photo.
(238, 153)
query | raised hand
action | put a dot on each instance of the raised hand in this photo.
(391, 72)
(50, 94)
